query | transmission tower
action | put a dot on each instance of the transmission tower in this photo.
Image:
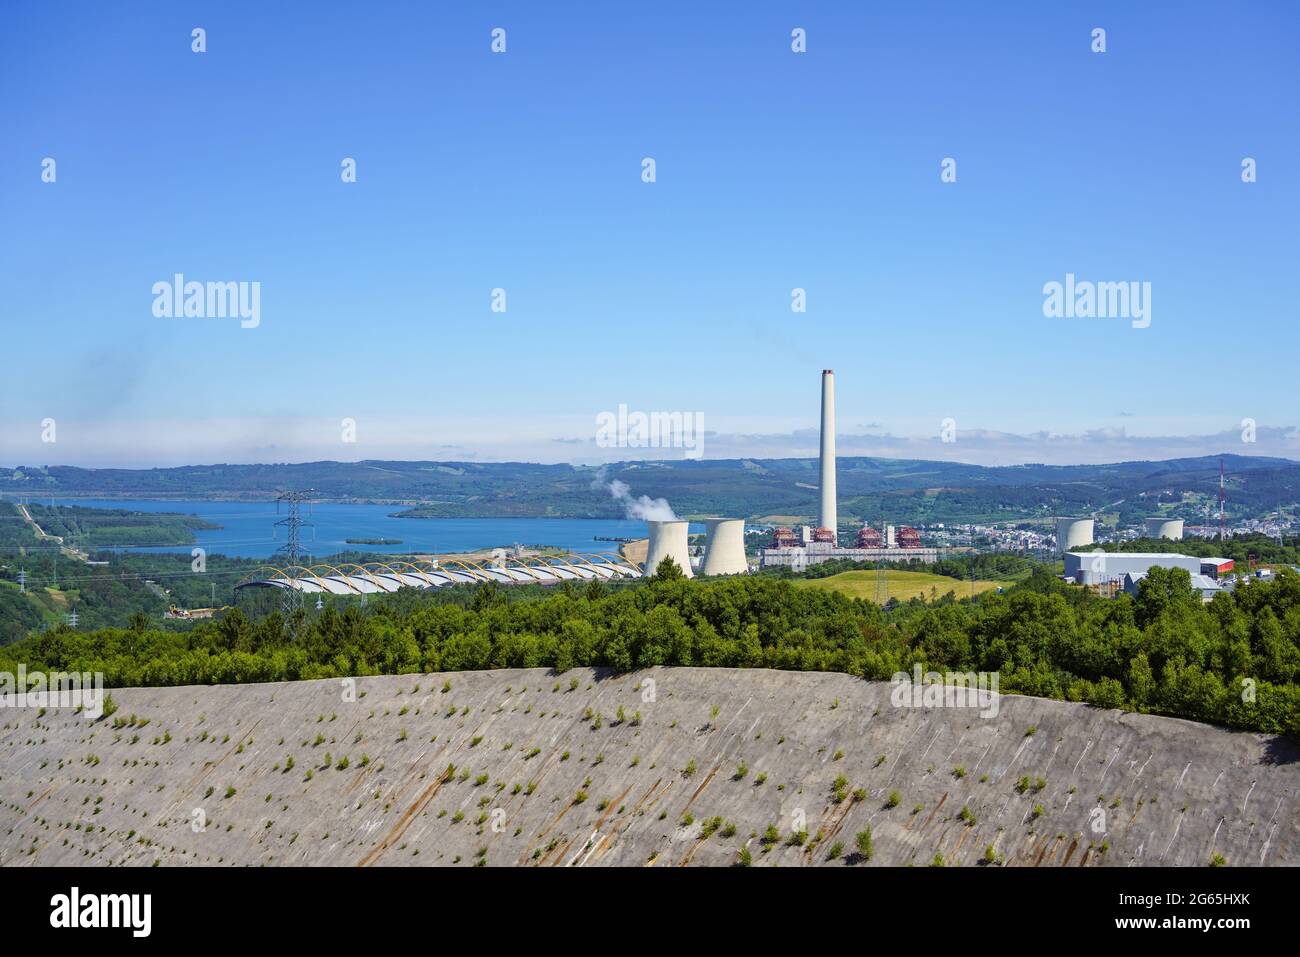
(882, 571)
(291, 599)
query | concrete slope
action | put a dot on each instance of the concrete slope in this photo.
(547, 775)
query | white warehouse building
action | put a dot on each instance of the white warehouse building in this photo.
(1098, 568)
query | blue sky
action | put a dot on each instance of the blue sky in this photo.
(522, 171)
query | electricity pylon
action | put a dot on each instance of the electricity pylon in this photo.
(291, 599)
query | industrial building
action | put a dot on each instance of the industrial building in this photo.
(1204, 584)
(1098, 568)
(828, 515)
(388, 576)
(668, 540)
(1111, 572)
(724, 548)
(804, 546)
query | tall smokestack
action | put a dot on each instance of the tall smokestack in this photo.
(828, 518)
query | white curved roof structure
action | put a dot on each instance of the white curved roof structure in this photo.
(388, 576)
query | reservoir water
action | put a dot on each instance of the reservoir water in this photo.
(248, 529)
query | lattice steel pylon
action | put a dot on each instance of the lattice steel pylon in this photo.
(882, 569)
(291, 599)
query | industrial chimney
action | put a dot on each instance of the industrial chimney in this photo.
(724, 551)
(827, 517)
(668, 540)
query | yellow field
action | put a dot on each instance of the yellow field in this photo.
(902, 585)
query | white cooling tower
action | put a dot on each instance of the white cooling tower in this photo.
(724, 549)
(668, 540)
(1165, 528)
(828, 518)
(1072, 533)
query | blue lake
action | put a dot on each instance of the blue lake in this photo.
(249, 531)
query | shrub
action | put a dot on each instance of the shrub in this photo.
(866, 846)
(894, 798)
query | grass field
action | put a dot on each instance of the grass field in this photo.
(902, 585)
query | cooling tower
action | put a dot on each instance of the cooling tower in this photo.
(1165, 528)
(1072, 533)
(827, 517)
(668, 540)
(724, 550)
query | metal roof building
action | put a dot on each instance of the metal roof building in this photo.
(388, 576)
(1096, 568)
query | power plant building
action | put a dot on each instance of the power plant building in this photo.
(668, 540)
(1073, 533)
(797, 549)
(828, 515)
(1171, 528)
(1100, 568)
(724, 549)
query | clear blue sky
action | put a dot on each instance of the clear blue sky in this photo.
(522, 171)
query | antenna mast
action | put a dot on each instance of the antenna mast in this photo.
(1220, 499)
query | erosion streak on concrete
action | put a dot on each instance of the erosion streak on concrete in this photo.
(368, 782)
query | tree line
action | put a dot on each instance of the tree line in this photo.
(1233, 661)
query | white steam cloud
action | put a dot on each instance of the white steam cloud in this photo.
(643, 506)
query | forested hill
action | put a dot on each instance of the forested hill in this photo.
(906, 490)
